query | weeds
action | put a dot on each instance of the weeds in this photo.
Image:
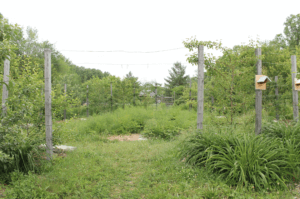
(162, 123)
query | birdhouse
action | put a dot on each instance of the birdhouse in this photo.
(261, 82)
(297, 84)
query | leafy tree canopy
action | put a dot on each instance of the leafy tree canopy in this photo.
(291, 32)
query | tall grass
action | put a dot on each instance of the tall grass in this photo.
(163, 122)
(243, 159)
(289, 136)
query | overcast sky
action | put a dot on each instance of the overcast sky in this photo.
(105, 25)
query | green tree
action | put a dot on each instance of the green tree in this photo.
(291, 37)
(231, 75)
(10, 35)
(177, 77)
(130, 75)
(292, 30)
(279, 41)
(134, 80)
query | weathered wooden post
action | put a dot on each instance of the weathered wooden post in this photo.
(87, 100)
(5, 80)
(111, 97)
(212, 101)
(134, 95)
(258, 98)
(276, 94)
(65, 111)
(48, 113)
(200, 96)
(190, 105)
(41, 113)
(174, 98)
(156, 95)
(295, 92)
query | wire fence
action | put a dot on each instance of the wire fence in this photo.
(99, 100)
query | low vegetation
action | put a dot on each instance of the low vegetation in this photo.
(243, 159)
(163, 122)
(221, 162)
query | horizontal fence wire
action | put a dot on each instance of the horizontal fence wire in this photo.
(107, 106)
(122, 51)
(275, 63)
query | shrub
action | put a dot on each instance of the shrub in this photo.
(20, 152)
(289, 135)
(21, 126)
(240, 159)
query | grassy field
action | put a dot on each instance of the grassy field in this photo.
(153, 168)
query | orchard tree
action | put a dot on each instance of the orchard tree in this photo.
(9, 37)
(232, 74)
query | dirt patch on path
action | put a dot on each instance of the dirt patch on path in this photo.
(132, 137)
(2, 190)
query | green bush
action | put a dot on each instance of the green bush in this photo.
(20, 152)
(241, 159)
(22, 126)
(289, 135)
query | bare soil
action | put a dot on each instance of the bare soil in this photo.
(2, 190)
(132, 137)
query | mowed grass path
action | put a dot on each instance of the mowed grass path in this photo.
(99, 168)
(114, 169)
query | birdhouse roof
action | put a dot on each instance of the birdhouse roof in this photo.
(263, 79)
(297, 81)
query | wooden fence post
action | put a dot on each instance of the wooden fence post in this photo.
(87, 100)
(276, 94)
(65, 111)
(190, 105)
(5, 90)
(295, 92)
(156, 95)
(174, 98)
(41, 113)
(212, 101)
(111, 97)
(200, 96)
(134, 95)
(48, 113)
(258, 99)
